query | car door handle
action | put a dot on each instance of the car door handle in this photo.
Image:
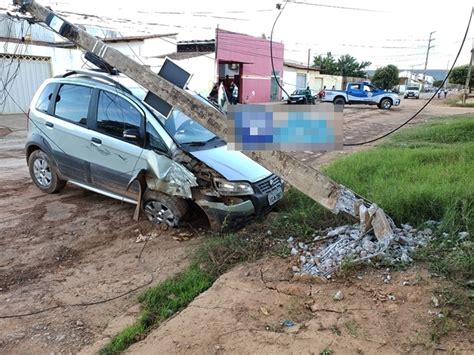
(96, 140)
(49, 124)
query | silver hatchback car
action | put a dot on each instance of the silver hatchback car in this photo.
(94, 130)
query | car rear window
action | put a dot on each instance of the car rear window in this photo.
(72, 103)
(45, 97)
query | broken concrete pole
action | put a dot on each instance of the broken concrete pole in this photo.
(308, 180)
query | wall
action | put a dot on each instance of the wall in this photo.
(202, 69)
(62, 59)
(254, 53)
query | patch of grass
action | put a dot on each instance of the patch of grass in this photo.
(421, 173)
(457, 102)
(159, 303)
(299, 216)
(326, 351)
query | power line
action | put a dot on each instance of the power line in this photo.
(333, 6)
(428, 102)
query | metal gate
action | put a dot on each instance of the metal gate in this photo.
(20, 77)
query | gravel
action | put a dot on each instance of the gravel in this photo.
(325, 254)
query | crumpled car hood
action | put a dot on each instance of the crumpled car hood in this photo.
(231, 164)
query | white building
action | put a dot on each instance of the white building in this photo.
(29, 54)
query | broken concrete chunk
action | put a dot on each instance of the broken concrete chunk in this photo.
(381, 225)
(339, 296)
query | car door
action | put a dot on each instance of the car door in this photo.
(68, 132)
(115, 158)
(356, 93)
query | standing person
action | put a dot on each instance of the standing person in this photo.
(439, 93)
(227, 84)
(333, 87)
(235, 93)
(445, 92)
(213, 95)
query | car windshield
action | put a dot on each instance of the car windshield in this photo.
(412, 88)
(179, 125)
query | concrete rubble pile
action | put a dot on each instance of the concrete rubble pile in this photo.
(348, 243)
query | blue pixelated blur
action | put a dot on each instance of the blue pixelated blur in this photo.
(275, 127)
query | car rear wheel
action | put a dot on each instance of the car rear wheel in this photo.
(385, 104)
(339, 101)
(160, 208)
(43, 173)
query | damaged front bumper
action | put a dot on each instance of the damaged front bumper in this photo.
(236, 213)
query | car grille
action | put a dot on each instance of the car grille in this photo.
(268, 184)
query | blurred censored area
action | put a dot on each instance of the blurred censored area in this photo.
(285, 128)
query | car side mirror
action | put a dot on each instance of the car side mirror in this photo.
(131, 133)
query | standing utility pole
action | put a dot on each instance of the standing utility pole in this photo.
(426, 60)
(467, 89)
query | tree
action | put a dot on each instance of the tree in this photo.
(459, 74)
(437, 83)
(349, 66)
(326, 64)
(346, 65)
(386, 77)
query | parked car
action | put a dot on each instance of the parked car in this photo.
(300, 96)
(95, 131)
(412, 91)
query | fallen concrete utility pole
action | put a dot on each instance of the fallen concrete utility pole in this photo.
(308, 180)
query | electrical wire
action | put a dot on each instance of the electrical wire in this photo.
(428, 102)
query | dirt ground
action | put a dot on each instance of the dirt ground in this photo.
(79, 247)
(243, 312)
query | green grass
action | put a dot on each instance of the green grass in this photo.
(159, 303)
(422, 173)
(300, 216)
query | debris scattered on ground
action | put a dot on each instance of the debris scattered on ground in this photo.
(143, 238)
(339, 296)
(326, 253)
(288, 323)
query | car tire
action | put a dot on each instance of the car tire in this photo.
(44, 173)
(160, 208)
(385, 104)
(339, 101)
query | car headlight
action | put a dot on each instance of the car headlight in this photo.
(230, 188)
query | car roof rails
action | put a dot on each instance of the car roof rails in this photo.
(93, 75)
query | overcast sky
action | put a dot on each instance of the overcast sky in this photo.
(382, 32)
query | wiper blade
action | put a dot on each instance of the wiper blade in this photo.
(202, 143)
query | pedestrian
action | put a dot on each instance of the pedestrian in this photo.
(309, 96)
(235, 93)
(445, 92)
(439, 93)
(333, 87)
(213, 95)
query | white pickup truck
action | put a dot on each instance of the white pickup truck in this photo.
(362, 93)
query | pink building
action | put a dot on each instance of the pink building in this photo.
(246, 61)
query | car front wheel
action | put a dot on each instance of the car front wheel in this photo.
(385, 104)
(160, 208)
(43, 173)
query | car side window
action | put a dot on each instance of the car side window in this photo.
(72, 103)
(153, 139)
(115, 115)
(354, 87)
(45, 98)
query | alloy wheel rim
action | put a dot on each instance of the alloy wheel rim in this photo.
(158, 213)
(42, 172)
